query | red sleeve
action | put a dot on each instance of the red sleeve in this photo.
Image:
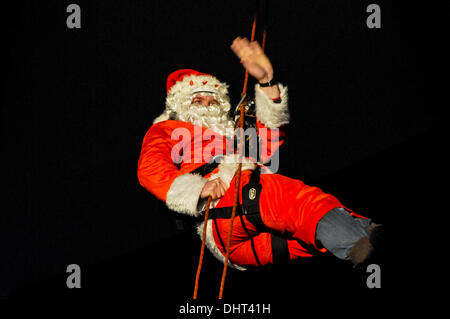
(270, 140)
(156, 169)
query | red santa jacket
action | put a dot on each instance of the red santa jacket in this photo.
(172, 149)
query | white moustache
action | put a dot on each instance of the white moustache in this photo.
(213, 117)
(212, 110)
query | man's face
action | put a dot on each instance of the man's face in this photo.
(206, 100)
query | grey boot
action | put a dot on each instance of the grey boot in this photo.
(364, 247)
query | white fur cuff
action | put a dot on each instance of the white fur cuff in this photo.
(211, 244)
(272, 114)
(184, 194)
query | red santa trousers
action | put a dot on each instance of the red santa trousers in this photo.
(286, 205)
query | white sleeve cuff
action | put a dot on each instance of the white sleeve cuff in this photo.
(184, 194)
(269, 113)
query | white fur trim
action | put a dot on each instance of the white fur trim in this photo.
(163, 117)
(204, 90)
(211, 244)
(184, 194)
(182, 91)
(179, 103)
(229, 165)
(268, 112)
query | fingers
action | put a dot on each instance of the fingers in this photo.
(215, 191)
(256, 47)
(236, 46)
(225, 186)
(243, 43)
(219, 189)
(243, 48)
(237, 43)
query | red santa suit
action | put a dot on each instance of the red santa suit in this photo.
(174, 147)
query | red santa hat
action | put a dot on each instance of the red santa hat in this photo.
(179, 75)
(183, 84)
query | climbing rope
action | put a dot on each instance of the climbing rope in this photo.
(202, 250)
(240, 126)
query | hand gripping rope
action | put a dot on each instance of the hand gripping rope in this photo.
(240, 126)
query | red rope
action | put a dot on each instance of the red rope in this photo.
(264, 38)
(235, 203)
(238, 172)
(202, 250)
(237, 186)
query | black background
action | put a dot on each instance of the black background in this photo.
(369, 118)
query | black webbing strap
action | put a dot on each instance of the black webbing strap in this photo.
(250, 203)
(207, 168)
(250, 200)
(250, 208)
(222, 212)
(220, 238)
(280, 251)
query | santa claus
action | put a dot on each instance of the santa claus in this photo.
(280, 218)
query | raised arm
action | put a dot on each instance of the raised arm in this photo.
(256, 62)
(271, 101)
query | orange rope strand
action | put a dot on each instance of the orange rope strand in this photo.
(202, 250)
(233, 213)
(264, 39)
(238, 172)
(236, 201)
(237, 186)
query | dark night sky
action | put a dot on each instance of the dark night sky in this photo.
(368, 109)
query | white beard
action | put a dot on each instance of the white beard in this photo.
(212, 117)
